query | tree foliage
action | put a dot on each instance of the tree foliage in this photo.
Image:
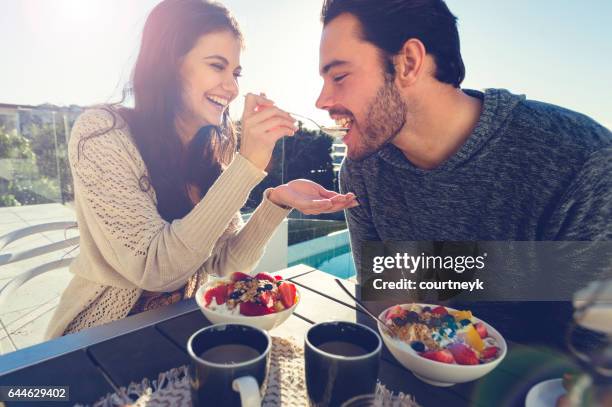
(306, 154)
(15, 146)
(33, 158)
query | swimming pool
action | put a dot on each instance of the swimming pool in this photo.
(331, 254)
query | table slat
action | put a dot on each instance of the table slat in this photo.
(317, 308)
(75, 369)
(179, 329)
(294, 271)
(324, 284)
(398, 379)
(140, 354)
(294, 327)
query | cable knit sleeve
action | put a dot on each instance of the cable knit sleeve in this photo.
(129, 233)
(241, 248)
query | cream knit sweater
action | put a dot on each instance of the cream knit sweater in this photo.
(126, 247)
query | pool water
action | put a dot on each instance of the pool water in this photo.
(337, 262)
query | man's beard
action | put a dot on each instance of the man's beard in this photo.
(385, 117)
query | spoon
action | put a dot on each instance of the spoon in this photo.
(389, 329)
(334, 131)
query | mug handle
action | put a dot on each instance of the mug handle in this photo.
(249, 391)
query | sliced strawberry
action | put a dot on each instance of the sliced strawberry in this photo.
(439, 311)
(463, 355)
(443, 356)
(396, 312)
(239, 276)
(219, 293)
(252, 309)
(277, 277)
(208, 296)
(481, 329)
(489, 352)
(230, 289)
(265, 276)
(267, 299)
(287, 293)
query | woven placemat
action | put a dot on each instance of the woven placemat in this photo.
(286, 384)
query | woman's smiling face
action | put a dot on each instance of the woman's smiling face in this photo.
(209, 76)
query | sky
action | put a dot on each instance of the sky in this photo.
(82, 51)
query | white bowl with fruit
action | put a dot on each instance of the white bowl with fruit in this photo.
(261, 300)
(442, 346)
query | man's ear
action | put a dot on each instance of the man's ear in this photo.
(409, 62)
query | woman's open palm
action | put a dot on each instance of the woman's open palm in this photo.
(311, 198)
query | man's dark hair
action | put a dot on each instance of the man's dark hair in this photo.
(388, 24)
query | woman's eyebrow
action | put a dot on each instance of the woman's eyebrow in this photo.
(219, 57)
(222, 59)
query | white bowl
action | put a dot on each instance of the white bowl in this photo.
(438, 373)
(265, 322)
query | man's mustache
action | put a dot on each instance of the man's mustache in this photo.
(340, 112)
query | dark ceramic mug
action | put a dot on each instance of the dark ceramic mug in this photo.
(229, 365)
(341, 360)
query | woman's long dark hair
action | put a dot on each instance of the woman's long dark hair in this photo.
(170, 32)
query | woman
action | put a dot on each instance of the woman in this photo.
(158, 187)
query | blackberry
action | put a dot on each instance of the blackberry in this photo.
(412, 317)
(418, 346)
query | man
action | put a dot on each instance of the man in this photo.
(430, 161)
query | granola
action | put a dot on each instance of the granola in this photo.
(442, 335)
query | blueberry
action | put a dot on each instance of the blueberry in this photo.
(268, 287)
(418, 346)
(465, 322)
(435, 322)
(260, 289)
(448, 319)
(412, 316)
(399, 321)
(235, 295)
(426, 309)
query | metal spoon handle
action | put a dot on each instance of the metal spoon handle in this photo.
(306, 118)
(363, 307)
(330, 131)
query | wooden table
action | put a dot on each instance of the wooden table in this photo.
(102, 359)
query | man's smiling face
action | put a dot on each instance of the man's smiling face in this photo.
(357, 91)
